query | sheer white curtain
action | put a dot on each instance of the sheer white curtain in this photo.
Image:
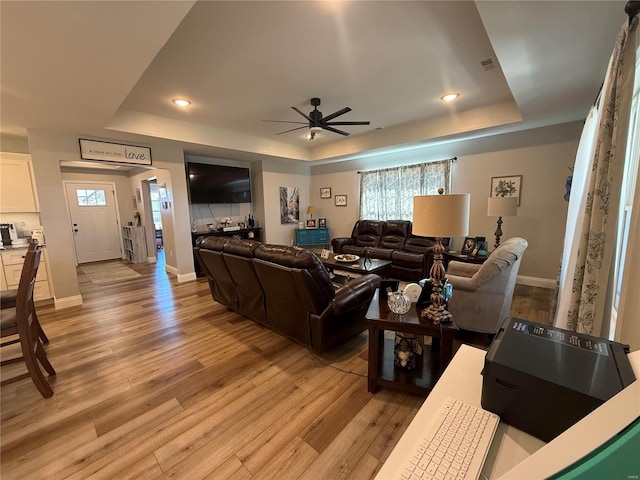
(388, 194)
(586, 289)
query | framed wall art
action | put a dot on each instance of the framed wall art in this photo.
(289, 205)
(341, 200)
(325, 192)
(509, 186)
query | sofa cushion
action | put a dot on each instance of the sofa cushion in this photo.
(379, 253)
(419, 244)
(407, 259)
(244, 248)
(212, 243)
(366, 233)
(353, 249)
(296, 257)
(394, 234)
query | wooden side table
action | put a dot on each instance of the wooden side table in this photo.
(434, 359)
(458, 257)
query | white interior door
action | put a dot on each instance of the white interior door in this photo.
(94, 221)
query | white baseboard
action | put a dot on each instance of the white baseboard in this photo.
(181, 277)
(152, 259)
(187, 277)
(171, 270)
(536, 282)
(67, 302)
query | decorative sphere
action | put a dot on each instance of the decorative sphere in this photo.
(398, 302)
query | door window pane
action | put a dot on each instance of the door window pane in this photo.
(91, 198)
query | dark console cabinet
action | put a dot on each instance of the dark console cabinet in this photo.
(243, 233)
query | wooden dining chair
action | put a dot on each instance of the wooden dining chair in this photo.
(8, 300)
(22, 320)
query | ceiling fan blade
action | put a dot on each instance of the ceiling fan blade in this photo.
(303, 114)
(336, 114)
(349, 123)
(293, 129)
(335, 130)
(284, 121)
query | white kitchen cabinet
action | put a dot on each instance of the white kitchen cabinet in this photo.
(17, 187)
(12, 262)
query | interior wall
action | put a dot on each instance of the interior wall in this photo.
(47, 150)
(542, 156)
(121, 181)
(340, 220)
(11, 143)
(276, 175)
(202, 215)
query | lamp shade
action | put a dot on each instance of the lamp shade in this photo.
(502, 207)
(441, 215)
(311, 210)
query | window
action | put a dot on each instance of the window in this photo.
(388, 194)
(155, 205)
(629, 180)
(91, 198)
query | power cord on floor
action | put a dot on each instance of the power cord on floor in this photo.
(326, 364)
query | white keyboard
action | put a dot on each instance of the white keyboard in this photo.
(454, 446)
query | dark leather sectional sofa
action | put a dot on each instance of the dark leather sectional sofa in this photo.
(411, 256)
(286, 289)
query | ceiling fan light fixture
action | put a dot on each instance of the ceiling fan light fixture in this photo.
(181, 102)
(450, 97)
(315, 129)
(310, 135)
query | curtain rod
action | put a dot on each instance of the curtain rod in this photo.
(453, 159)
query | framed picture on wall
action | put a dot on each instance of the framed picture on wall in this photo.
(341, 200)
(325, 192)
(506, 186)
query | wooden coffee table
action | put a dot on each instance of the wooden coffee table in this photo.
(382, 371)
(379, 267)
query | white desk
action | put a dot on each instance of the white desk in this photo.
(512, 447)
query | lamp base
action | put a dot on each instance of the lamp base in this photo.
(436, 315)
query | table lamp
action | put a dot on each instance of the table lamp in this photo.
(311, 210)
(501, 207)
(440, 216)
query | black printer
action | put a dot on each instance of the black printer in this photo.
(541, 379)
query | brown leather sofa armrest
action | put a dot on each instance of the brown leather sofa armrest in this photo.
(338, 243)
(356, 292)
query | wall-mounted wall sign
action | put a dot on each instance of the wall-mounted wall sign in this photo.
(114, 152)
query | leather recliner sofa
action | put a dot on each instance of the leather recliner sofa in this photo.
(411, 256)
(286, 289)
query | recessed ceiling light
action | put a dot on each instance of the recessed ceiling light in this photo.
(449, 97)
(182, 102)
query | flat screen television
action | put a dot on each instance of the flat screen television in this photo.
(218, 183)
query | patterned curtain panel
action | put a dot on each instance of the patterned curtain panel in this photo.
(388, 194)
(589, 288)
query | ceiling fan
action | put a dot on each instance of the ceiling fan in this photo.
(316, 122)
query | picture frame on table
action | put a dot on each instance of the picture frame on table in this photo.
(322, 223)
(311, 224)
(507, 186)
(341, 200)
(325, 192)
(468, 246)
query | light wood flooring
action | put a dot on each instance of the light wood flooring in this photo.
(156, 380)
